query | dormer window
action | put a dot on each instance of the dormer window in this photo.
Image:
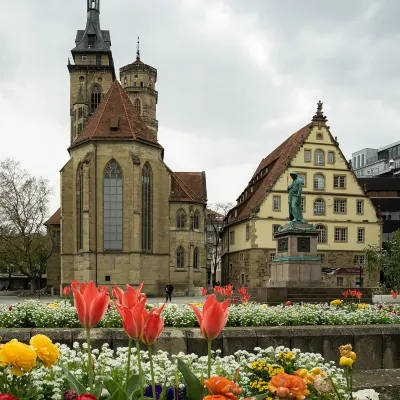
(91, 41)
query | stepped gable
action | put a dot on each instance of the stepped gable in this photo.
(276, 162)
(54, 219)
(188, 186)
(114, 119)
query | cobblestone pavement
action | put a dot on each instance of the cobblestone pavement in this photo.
(10, 300)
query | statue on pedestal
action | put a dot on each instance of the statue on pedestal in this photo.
(294, 189)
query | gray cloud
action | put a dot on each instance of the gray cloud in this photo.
(235, 78)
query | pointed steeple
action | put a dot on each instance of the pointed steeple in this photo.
(138, 50)
(319, 118)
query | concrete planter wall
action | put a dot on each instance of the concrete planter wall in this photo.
(386, 298)
(377, 346)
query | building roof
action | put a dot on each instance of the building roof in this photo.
(268, 171)
(386, 204)
(114, 119)
(378, 184)
(55, 218)
(188, 186)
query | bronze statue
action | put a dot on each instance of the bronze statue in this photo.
(294, 189)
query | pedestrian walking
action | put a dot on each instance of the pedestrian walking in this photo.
(168, 292)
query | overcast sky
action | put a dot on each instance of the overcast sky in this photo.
(235, 77)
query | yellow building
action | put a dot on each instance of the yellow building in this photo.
(332, 199)
(125, 217)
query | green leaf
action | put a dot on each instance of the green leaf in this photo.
(116, 392)
(133, 385)
(191, 381)
(73, 382)
(97, 387)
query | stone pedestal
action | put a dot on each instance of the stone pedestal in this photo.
(296, 264)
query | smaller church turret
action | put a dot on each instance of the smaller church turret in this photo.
(92, 70)
(139, 82)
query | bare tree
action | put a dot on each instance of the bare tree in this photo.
(24, 206)
(216, 221)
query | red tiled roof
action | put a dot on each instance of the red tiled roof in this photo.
(116, 110)
(188, 186)
(55, 218)
(276, 162)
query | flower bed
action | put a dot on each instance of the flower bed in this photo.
(50, 383)
(62, 314)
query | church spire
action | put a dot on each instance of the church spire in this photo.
(138, 50)
(319, 119)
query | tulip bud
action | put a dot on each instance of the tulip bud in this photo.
(236, 376)
(202, 381)
(283, 392)
(70, 395)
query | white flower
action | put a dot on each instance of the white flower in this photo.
(366, 394)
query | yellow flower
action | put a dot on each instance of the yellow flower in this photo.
(18, 355)
(336, 302)
(346, 361)
(53, 305)
(362, 305)
(47, 352)
(305, 375)
(317, 371)
(353, 356)
(345, 350)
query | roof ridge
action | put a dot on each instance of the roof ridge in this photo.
(180, 183)
(189, 188)
(126, 112)
(102, 111)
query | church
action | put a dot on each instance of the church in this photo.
(124, 216)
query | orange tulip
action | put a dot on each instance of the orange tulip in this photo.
(133, 319)
(213, 318)
(89, 303)
(153, 325)
(285, 384)
(218, 385)
(213, 397)
(130, 297)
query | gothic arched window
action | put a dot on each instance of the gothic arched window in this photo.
(146, 207)
(196, 258)
(196, 220)
(137, 106)
(180, 257)
(322, 233)
(95, 98)
(319, 182)
(79, 207)
(112, 206)
(180, 219)
(319, 207)
(319, 157)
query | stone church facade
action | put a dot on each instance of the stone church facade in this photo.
(125, 217)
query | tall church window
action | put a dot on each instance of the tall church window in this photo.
(79, 207)
(146, 207)
(196, 220)
(196, 258)
(112, 206)
(180, 257)
(180, 219)
(95, 99)
(138, 106)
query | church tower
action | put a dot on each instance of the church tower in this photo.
(92, 71)
(139, 82)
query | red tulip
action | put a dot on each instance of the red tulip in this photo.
(395, 294)
(7, 397)
(217, 289)
(130, 297)
(133, 319)
(89, 303)
(86, 397)
(353, 292)
(10, 308)
(203, 291)
(345, 293)
(229, 290)
(213, 318)
(358, 294)
(66, 291)
(153, 325)
(74, 283)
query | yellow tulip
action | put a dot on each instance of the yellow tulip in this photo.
(47, 352)
(19, 356)
(317, 371)
(353, 356)
(346, 361)
(336, 302)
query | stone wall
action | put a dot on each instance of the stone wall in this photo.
(377, 346)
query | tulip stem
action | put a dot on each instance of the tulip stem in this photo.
(209, 358)
(153, 383)
(140, 368)
(128, 367)
(90, 369)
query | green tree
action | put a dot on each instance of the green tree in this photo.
(387, 259)
(24, 206)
